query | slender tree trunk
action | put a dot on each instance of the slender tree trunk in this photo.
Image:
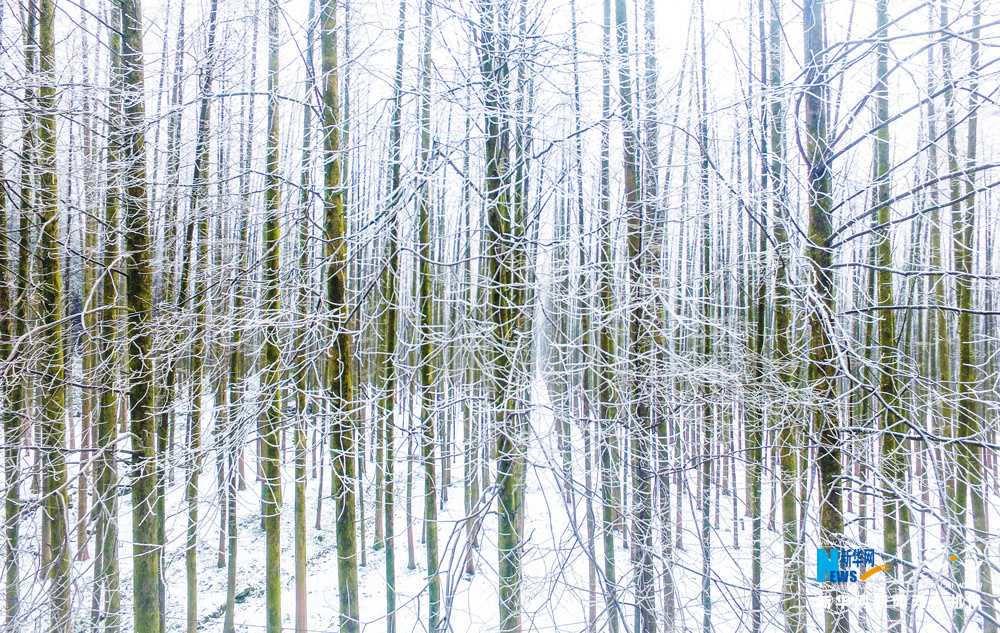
(390, 280)
(505, 299)
(971, 467)
(107, 595)
(55, 504)
(637, 341)
(757, 303)
(707, 408)
(788, 450)
(893, 461)
(270, 421)
(199, 193)
(90, 398)
(586, 342)
(236, 361)
(302, 365)
(166, 418)
(607, 411)
(822, 366)
(338, 364)
(11, 423)
(425, 326)
(957, 483)
(139, 287)
(15, 426)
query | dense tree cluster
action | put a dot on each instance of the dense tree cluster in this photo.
(704, 267)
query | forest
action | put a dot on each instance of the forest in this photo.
(499, 315)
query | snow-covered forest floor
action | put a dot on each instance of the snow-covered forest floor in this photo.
(555, 565)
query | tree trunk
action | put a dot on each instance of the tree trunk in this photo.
(55, 504)
(390, 280)
(707, 408)
(757, 304)
(338, 365)
(139, 290)
(270, 421)
(426, 325)
(822, 365)
(199, 193)
(637, 340)
(607, 411)
(302, 365)
(106, 591)
(971, 467)
(893, 460)
(16, 425)
(788, 450)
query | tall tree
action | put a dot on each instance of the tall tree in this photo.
(957, 482)
(639, 413)
(338, 364)
(757, 304)
(15, 425)
(788, 451)
(90, 257)
(11, 426)
(426, 325)
(270, 420)
(893, 460)
(55, 505)
(390, 279)
(506, 260)
(586, 343)
(822, 355)
(707, 412)
(970, 475)
(139, 298)
(107, 597)
(199, 211)
(171, 286)
(301, 364)
(607, 410)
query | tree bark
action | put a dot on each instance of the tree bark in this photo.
(338, 364)
(607, 410)
(302, 365)
(390, 281)
(138, 256)
(822, 361)
(55, 504)
(426, 327)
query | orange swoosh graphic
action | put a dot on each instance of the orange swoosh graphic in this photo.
(874, 570)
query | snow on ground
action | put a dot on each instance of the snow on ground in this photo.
(555, 568)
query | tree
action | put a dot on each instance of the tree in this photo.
(969, 462)
(390, 278)
(639, 415)
(506, 260)
(426, 327)
(822, 365)
(607, 445)
(199, 193)
(302, 335)
(894, 513)
(338, 364)
(271, 416)
(139, 298)
(56, 560)
(788, 451)
(107, 596)
(15, 423)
